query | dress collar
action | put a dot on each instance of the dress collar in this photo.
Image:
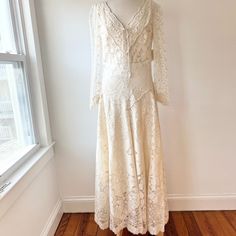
(133, 20)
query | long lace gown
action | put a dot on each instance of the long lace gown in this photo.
(128, 78)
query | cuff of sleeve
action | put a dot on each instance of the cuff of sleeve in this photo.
(163, 99)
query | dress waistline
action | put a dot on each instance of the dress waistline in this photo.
(134, 62)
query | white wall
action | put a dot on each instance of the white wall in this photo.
(198, 128)
(37, 210)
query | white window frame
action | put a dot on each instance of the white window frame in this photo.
(36, 86)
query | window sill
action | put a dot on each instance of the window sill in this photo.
(14, 158)
(23, 176)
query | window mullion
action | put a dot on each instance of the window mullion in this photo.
(9, 58)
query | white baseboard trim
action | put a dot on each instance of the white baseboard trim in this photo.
(53, 220)
(176, 202)
(179, 202)
(78, 204)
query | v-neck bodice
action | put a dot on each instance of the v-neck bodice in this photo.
(122, 38)
(134, 20)
(131, 20)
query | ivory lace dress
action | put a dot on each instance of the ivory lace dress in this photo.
(128, 78)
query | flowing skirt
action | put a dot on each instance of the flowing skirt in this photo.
(130, 182)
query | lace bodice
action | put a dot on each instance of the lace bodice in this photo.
(119, 50)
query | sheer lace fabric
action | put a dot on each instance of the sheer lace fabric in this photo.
(129, 75)
(130, 185)
(120, 48)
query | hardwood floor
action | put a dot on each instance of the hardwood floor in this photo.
(181, 223)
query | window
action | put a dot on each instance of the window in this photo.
(17, 132)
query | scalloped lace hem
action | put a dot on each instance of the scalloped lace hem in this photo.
(131, 228)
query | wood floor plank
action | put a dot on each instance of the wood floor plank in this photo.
(91, 227)
(212, 219)
(80, 231)
(179, 222)
(204, 224)
(191, 223)
(62, 224)
(78, 228)
(104, 232)
(72, 224)
(226, 226)
(231, 217)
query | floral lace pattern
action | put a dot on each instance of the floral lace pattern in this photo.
(129, 75)
(159, 55)
(120, 47)
(130, 183)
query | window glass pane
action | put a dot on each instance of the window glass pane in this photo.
(7, 41)
(16, 131)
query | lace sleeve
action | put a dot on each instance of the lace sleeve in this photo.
(160, 79)
(96, 57)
